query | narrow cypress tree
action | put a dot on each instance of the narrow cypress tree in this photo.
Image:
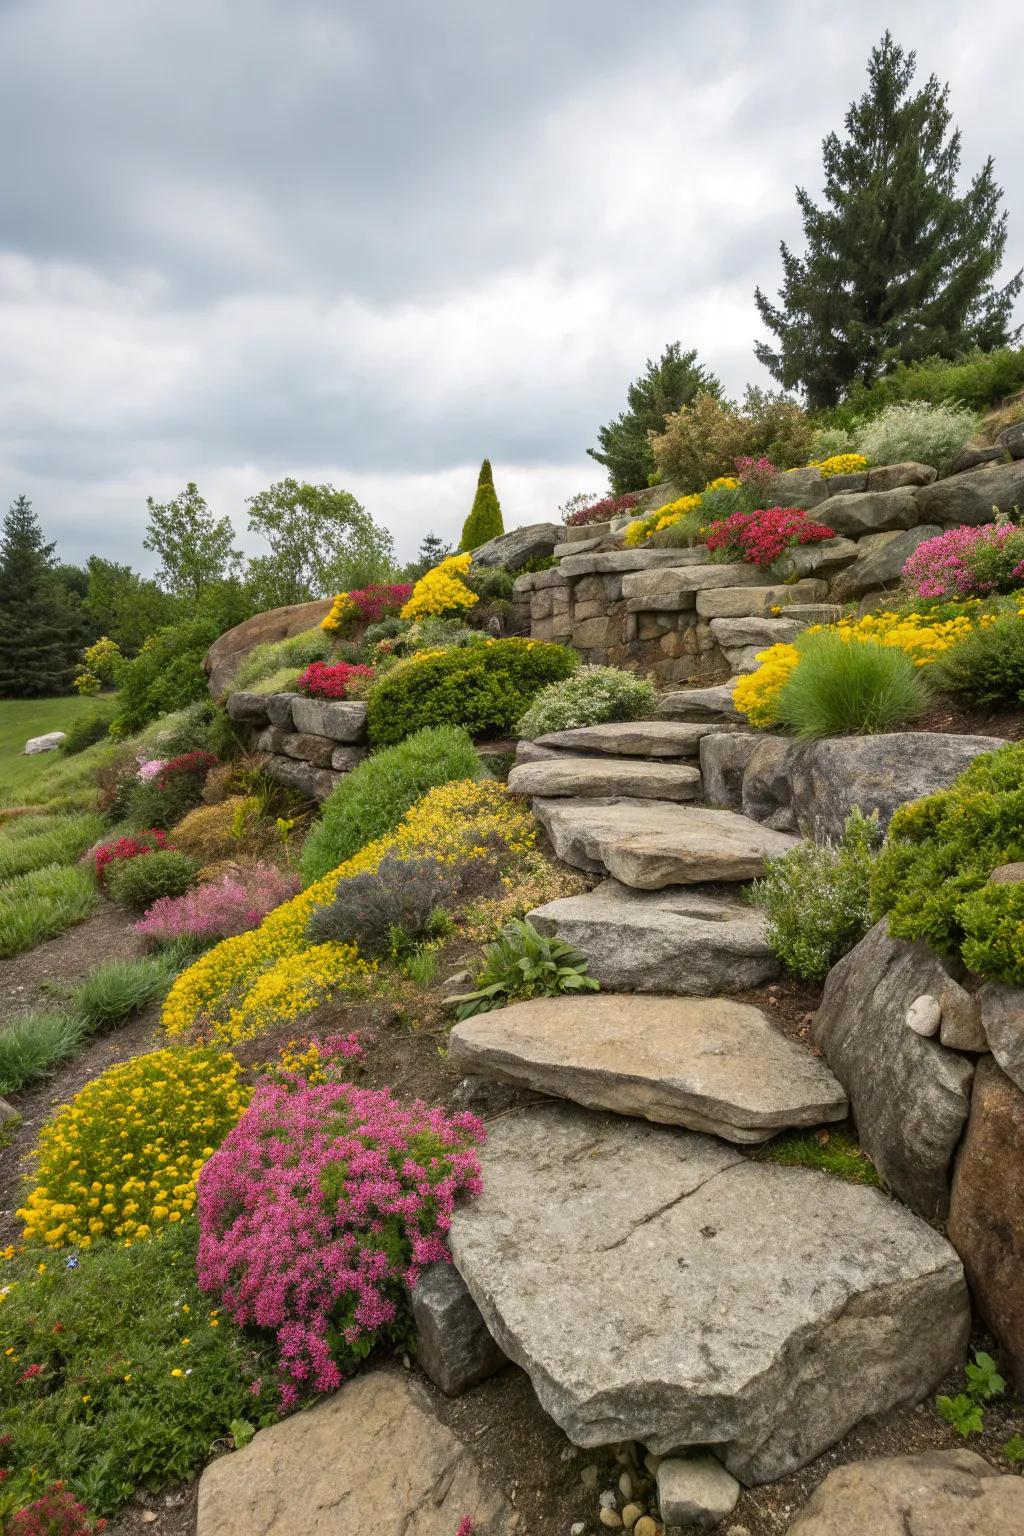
(898, 266)
(39, 637)
(484, 521)
(663, 387)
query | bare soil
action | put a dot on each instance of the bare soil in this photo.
(949, 718)
(36, 978)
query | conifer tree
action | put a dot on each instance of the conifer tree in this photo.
(484, 521)
(899, 266)
(39, 632)
(663, 387)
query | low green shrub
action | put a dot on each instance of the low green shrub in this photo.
(115, 990)
(917, 431)
(827, 442)
(387, 912)
(685, 533)
(816, 898)
(138, 1378)
(992, 919)
(86, 730)
(941, 849)
(372, 799)
(490, 582)
(32, 842)
(978, 380)
(840, 689)
(522, 963)
(32, 1044)
(42, 903)
(166, 675)
(485, 686)
(140, 882)
(986, 668)
(292, 655)
(590, 696)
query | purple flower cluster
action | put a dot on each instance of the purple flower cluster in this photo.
(968, 562)
(221, 908)
(324, 1203)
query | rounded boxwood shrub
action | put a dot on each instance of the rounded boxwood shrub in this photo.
(139, 882)
(485, 686)
(590, 696)
(373, 798)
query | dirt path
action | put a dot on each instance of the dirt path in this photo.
(36, 978)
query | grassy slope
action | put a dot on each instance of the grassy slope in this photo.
(22, 718)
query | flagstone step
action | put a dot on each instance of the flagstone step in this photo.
(710, 1064)
(565, 774)
(633, 738)
(659, 1286)
(679, 940)
(649, 844)
(689, 704)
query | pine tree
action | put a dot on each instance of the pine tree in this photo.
(484, 520)
(39, 637)
(662, 388)
(898, 266)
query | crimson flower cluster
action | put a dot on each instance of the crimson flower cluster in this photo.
(198, 763)
(330, 680)
(380, 598)
(759, 538)
(601, 511)
(54, 1513)
(128, 848)
(320, 1208)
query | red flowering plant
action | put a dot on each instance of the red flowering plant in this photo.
(602, 511)
(756, 477)
(318, 1213)
(54, 1513)
(127, 848)
(197, 764)
(365, 605)
(759, 538)
(331, 680)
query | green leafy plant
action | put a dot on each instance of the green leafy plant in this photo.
(88, 729)
(986, 668)
(992, 920)
(140, 882)
(703, 439)
(840, 689)
(522, 963)
(372, 799)
(291, 655)
(965, 1412)
(816, 898)
(484, 686)
(1013, 1449)
(590, 696)
(118, 988)
(42, 903)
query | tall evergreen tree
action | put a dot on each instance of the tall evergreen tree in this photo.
(484, 521)
(39, 637)
(662, 388)
(898, 265)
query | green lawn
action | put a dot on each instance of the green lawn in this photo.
(22, 718)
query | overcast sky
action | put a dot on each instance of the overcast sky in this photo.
(372, 242)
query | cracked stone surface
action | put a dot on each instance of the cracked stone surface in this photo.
(649, 844)
(707, 1063)
(634, 738)
(935, 1493)
(680, 940)
(579, 776)
(370, 1458)
(659, 1286)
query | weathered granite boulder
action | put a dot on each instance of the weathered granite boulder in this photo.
(702, 703)
(667, 589)
(279, 708)
(370, 1458)
(575, 774)
(453, 1346)
(315, 783)
(872, 512)
(970, 498)
(1002, 1019)
(680, 941)
(909, 1095)
(46, 743)
(742, 601)
(880, 561)
(632, 738)
(317, 750)
(804, 489)
(974, 455)
(513, 550)
(1012, 439)
(986, 1213)
(808, 1302)
(889, 477)
(708, 1063)
(724, 756)
(933, 1493)
(225, 655)
(766, 794)
(340, 720)
(822, 559)
(248, 708)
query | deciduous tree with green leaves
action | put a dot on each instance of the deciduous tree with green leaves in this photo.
(321, 541)
(124, 605)
(663, 387)
(484, 521)
(899, 265)
(195, 548)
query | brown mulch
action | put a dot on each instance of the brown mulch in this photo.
(952, 719)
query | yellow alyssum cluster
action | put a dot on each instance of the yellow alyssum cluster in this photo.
(121, 1158)
(441, 590)
(642, 529)
(840, 464)
(246, 984)
(756, 695)
(342, 610)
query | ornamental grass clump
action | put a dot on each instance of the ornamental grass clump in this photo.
(840, 689)
(42, 903)
(31, 842)
(592, 696)
(319, 1212)
(121, 1158)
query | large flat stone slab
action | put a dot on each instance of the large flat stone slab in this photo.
(934, 1493)
(678, 940)
(603, 776)
(689, 704)
(669, 590)
(659, 1286)
(633, 738)
(708, 1063)
(910, 1096)
(739, 602)
(370, 1458)
(649, 844)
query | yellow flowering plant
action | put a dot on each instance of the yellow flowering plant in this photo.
(120, 1160)
(442, 590)
(840, 464)
(343, 612)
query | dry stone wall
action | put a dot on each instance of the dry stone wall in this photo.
(674, 615)
(307, 744)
